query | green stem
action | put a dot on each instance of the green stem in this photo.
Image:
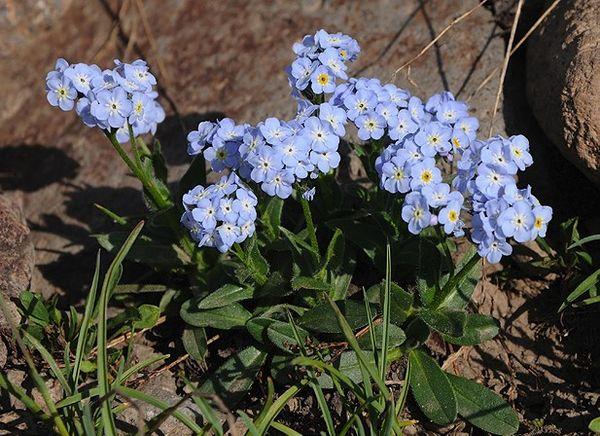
(161, 201)
(310, 225)
(444, 243)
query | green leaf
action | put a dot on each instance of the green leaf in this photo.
(195, 175)
(431, 388)
(362, 232)
(303, 282)
(349, 365)
(34, 309)
(396, 337)
(224, 318)
(585, 240)
(194, 342)
(233, 380)
(148, 317)
(428, 271)
(581, 289)
(271, 218)
(477, 329)
(401, 302)
(334, 249)
(456, 293)
(447, 322)
(322, 318)
(282, 335)
(146, 250)
(158, 162)
(226, 295)
(110, 281)
(595, 425)
(483, 408)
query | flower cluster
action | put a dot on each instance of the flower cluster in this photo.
(373, 108)
(500, 209)
(428, 137)
(112, 100)
(321, 58)
(221, 214)
(275, 153)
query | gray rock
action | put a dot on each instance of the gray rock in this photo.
(16, 249)
(563, 82)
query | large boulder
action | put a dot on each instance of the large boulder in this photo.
(563, 82)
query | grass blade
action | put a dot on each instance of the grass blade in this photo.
(85, 325)
(49, 360)
(110, 279)
(584, 241)
(584, 286)
(386, 311)
(404, 391)
(278, 405)
(252, 430)
(314, 384)
(353, 342)
(285, 429)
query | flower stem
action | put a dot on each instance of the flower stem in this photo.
(162, 201)
(310, 225)
(444, 243)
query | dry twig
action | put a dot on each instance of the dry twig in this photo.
(437, 38)
(511, 39)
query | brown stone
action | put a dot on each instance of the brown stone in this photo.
(563, 82)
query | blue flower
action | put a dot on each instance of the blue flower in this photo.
(519, 151)
(450, 112)
(425, 173)
(245, 203)
(469, 125)
(542, 216)
(266, 163)
(82, 76)
(436, 195)
(138, 73)
(305, 110)
(404, 126)
(325, 160)
(497, 156)
(490, 180)
(320, 134)
(199, 138)
(112, 106)
(460, 140)
(434, 138)
(335, 116)
(274, 131)
(192, 197)
(389, 112)
(228, 233)
(517, 221)
(494, 249)
(360, 103)
(416, 213)
(222, 155)
(227, 130)
(205, 213)
(293, 150)
(252, 141)
(331, 59)
(370, 125)
(302, 69)
(449, 217)
(322, 80)
(61, 93)
(280, 184)
(395, 175)
(417, 110)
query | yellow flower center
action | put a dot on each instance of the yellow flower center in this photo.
(539, 222)
(323, 79)
(456, 142)
(426, 177)
(452, 216)
(399, 175)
